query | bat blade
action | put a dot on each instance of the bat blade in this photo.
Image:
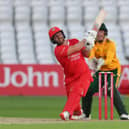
(99, 20)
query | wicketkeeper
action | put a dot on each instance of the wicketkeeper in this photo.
(70, 54)
(103, 58)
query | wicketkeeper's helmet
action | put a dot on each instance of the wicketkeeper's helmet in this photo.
(52, 33)
(104, 28)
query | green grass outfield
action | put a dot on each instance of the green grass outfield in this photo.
(49, 108)
(73, 125)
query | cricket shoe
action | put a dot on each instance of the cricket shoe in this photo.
(65, 115)
(124, 117)
(87, 117)
(78, 115)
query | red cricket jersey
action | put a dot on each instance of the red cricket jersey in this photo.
(74, 65)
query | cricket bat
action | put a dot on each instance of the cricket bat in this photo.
(99, 20)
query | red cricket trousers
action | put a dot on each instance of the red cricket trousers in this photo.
(75, 90)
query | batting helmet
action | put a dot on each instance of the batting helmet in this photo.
(104, 28)
(53, 31)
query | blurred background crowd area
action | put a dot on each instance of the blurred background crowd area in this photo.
(24, 26)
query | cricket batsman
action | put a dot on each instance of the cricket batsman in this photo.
(103, 58)
(70, 54)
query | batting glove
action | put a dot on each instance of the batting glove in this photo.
(90, 39)
(92, 33)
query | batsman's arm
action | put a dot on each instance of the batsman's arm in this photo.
(76, 47)
(85, 52)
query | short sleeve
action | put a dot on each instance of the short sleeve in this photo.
(61, 51)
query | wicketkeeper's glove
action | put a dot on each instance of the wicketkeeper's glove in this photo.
(100, 63)
(92, 63)
(95, 64)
